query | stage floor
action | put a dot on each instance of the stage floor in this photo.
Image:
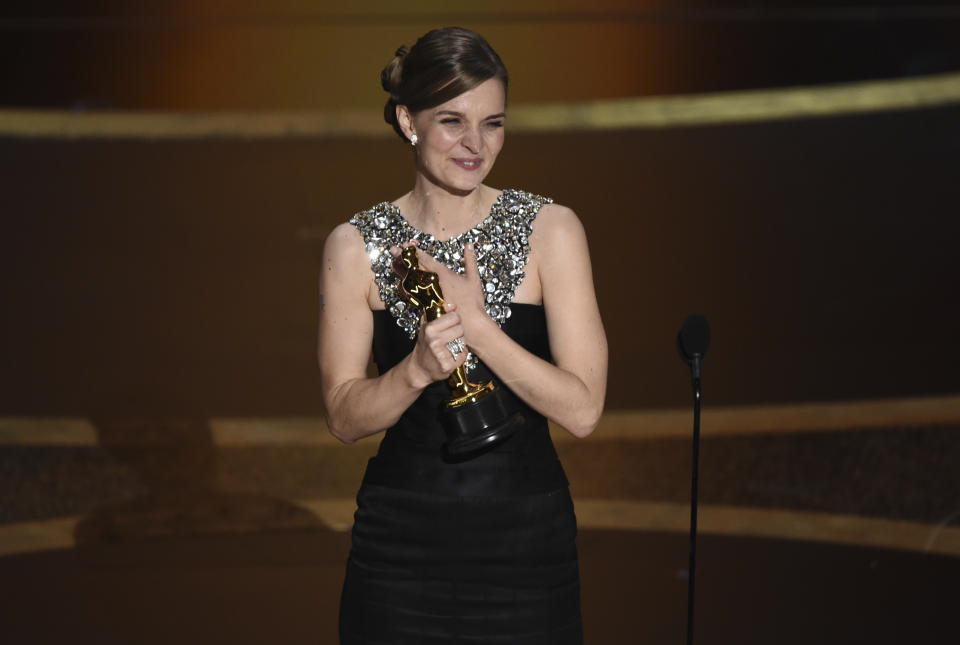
(822, 523)
(283, 587)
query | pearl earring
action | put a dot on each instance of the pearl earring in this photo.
(413, 139)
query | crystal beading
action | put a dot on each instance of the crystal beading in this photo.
(502, 242)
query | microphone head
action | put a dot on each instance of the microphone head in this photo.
(694, 337)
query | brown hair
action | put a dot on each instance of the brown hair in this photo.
(444, 63)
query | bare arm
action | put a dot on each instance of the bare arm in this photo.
(571, 391)
(357, 406)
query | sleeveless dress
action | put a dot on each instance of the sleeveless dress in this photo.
(477, 550)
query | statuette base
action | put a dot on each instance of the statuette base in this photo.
(482, 423)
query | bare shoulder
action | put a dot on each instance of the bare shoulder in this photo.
(344, 245)
(345, 272)
(344, 236)
(556, 228)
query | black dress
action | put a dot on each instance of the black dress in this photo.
(477, 551)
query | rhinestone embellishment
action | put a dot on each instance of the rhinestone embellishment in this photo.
(502, 242)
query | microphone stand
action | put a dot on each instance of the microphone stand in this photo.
(695, 468)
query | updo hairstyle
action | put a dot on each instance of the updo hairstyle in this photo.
(443, 64)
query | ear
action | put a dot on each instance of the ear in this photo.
(405, 120)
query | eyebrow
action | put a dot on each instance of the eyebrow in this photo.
(500, 115)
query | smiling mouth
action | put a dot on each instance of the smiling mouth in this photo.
(468, 164)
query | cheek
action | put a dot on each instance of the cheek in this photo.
(494, 141)
(443, 140)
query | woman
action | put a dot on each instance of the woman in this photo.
(477, 549)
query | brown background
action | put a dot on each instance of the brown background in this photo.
(149, 286)
(181, 276)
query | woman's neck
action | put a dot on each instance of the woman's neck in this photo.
(443, 214)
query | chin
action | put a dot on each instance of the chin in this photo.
(466, 184)
(464, 188)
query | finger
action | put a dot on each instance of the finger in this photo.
(444, 356)
(450, 333)
(442, 323)
(427, 261)
(433, 265)
(471, 270)
(397, 250)
(457, 332)
(461, 357)
(444, 328)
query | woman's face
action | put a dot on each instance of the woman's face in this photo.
(458, 141)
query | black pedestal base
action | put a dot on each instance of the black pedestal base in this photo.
(487, 421)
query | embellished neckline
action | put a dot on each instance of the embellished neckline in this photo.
(502, 242)
(470, 233)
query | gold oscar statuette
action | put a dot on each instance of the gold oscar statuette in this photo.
(477, 414)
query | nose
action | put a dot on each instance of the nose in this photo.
(472, 140)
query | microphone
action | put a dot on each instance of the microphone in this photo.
(693, 342)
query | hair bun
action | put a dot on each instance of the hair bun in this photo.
(443, 64)
(391, 75)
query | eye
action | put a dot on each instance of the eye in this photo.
(450, 121)
(495, 124)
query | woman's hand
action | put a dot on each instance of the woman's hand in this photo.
(465, 290)
(432, 358)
